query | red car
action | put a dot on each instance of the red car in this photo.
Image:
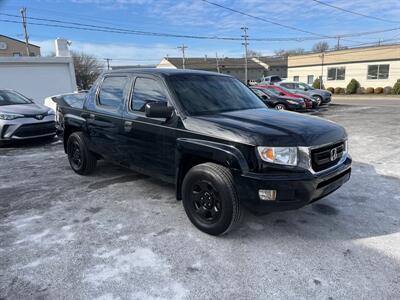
(310, 103)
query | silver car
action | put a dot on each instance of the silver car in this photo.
(322, 96)
(21, 118)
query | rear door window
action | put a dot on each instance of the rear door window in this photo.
(112, 91)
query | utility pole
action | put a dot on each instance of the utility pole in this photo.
(183, 47)
(108, 62)
(338, 43)
(23, 14)
(245, 44)
(322, 69)
(216, 58)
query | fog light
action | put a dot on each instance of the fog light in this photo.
(267, 195)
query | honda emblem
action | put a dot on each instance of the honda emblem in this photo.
(334, 154)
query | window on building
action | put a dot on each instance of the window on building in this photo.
(32, 54)
(295, 78)
(337, 73)
(16, 54)
(310, 79)
(378, 72)
(146, 90)
(112, 91)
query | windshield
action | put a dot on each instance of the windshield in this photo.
(272, 91)
(11, 98)
(201, 94)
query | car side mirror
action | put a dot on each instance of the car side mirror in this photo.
(158, 110)
(282, 94)
(305, 89)
(265, 97)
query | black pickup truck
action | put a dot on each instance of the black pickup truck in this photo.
(209, 135)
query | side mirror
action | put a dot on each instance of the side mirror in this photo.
(305, 89)
(158, 110)
(264, 97)
(282, 94)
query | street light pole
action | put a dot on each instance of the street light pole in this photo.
(322, 69)
(245, 44)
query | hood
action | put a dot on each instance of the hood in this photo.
(25, 109)
(320, 92)
(267, 127)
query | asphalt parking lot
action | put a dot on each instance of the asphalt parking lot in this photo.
(121, 235)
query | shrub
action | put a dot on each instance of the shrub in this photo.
(316, 84)
(396, 88)
(387, 90)
(352, 86)
(370, 90)
(378, 90)
(339, 90)
(361, 90)
(331, 89)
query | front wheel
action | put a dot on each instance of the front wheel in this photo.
(81, 160)
(319, 100)
(280, 106)
(210, 199)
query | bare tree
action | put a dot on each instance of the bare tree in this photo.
(253, 53)
(286, 53)
(87, 69)
(320, 47)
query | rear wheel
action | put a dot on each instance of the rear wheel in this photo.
(280, 106)
(210, 199)
(81, 160)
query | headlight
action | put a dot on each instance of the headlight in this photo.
(279, 155)
(8, 116)
(51, 112)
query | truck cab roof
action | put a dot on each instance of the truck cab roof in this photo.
(165, 71)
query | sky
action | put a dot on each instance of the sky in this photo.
(196, 17)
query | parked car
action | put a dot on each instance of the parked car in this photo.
(21, 118)
(279, 102)
(280, 91)
(322, 96)
(270, 80)
(212, 137)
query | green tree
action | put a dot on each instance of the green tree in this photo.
(352, 86)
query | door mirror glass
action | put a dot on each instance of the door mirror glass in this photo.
(158, 110)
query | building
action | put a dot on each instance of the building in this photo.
(13, 47)
(377, 66)
(256, 67)
(38, 77)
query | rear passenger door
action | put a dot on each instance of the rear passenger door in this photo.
(104, 117)
(149, 143)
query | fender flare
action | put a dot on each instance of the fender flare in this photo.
(224, 154)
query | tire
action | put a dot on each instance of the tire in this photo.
(319, 99)
(280, 106)
(210, 199)
(81, 160)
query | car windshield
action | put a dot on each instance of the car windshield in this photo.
(11, 98)
(273, 91)
(201, 94)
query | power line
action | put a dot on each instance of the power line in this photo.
(299, 29)
(354, 12)
(90, 27)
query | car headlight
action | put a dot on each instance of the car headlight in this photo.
(279, 155)
(8, 116)
(51, 112)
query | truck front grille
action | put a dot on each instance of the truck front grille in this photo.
(29, 130)
(327, 156)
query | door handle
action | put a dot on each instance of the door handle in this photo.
(128, 123)
(127, 126)
(91, 116)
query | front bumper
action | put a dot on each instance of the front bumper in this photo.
(296, 107)
(294, 189)
(27, 128)
(326, 99)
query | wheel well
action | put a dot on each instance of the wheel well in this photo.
(67, 132)
(187, 162)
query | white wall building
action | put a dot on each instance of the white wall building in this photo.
(38, 77)
(377, 66)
